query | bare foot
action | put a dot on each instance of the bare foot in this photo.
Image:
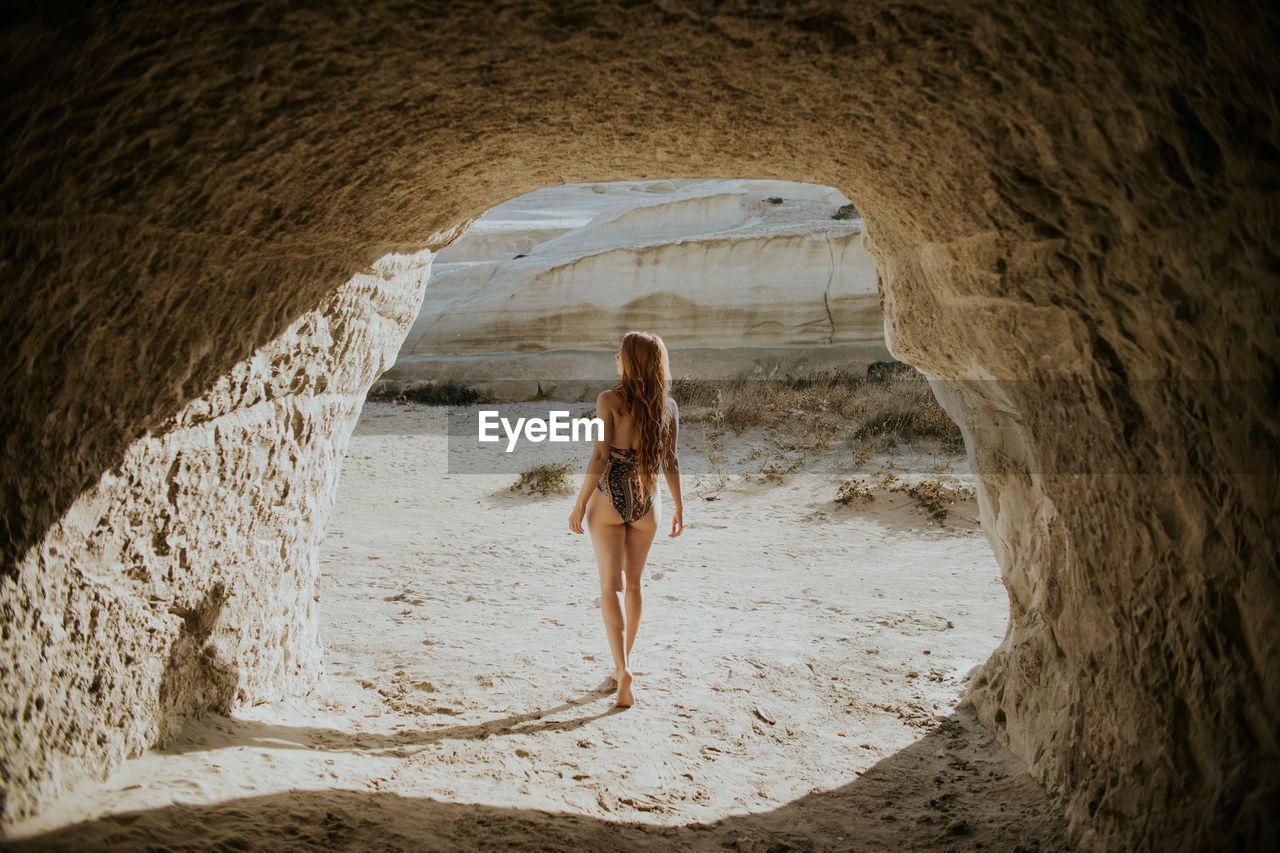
(624, 698)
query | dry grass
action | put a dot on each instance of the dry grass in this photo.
(549, 479)
(447, 393)
(822, 408)
(851, 491)
(934, 497)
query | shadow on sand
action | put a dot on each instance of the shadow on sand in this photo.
(402, 743)
(955, 789)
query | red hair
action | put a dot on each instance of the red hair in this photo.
(643, 389)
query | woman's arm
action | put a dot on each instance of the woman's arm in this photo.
(671, 468)
(595, 465)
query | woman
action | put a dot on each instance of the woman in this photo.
(619, 495)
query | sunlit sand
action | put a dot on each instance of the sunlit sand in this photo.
(796, 678)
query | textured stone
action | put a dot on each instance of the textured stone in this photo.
(737, 275)
(709, 263)
(183, 580)
(1066, 191)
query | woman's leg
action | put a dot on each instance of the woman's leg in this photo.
(636, 544)
(607, 538)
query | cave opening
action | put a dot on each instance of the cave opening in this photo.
(1071, 195)
(798, 641)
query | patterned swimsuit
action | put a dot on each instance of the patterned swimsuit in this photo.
(621, 482)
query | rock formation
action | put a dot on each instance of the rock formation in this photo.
(183, 580)
(733, 275)
(1072, 208)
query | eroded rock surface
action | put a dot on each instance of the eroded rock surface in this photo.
(710, 263)
(1053, 191)
(736, 275)
(184, 580)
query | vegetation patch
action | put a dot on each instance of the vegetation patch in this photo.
(549, 479)
(897, 405)
(773, 472)
(449, 393)
(854, 491)
(934, 497)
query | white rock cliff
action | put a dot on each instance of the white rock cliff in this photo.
(732, 274)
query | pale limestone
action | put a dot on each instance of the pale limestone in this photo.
(735, 276)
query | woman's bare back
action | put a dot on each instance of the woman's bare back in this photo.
(624, 425)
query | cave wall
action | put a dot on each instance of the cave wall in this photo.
(184, 580)
(1072, 207)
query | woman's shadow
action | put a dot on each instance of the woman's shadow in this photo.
(397, 744)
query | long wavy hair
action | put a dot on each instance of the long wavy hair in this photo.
(645, 384)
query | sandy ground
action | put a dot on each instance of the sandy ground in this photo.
(800, 669)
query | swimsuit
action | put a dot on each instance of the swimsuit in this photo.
(621, 482)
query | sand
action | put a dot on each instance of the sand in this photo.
(799, 679)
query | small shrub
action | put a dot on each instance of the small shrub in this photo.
(934, 497)
(713, 449)
(854, 490)
(902, 409)
(887, 371)
(548, 479)
(774, 472)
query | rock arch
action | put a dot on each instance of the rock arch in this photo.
(1071, 206)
